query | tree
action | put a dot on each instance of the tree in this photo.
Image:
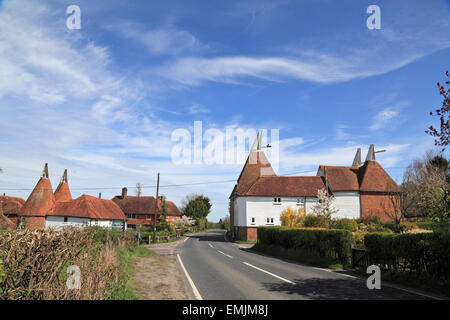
(138, 189)
(421, 180)
(226, 223)
(196, 206)
(443, 134)
(293, 218)
(324, 206)
(184, 221)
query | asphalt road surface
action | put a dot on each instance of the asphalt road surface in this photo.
(220, 270)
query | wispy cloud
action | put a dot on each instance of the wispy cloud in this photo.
(197, 108)
(383, 118)
(166, 40)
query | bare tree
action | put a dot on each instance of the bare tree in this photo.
(138, 189)
(443, 135)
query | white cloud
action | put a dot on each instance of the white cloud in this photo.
(166, 40)
(383, 118)
(198, 108)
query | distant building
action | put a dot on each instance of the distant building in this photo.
(140, 210)
(11, 206)
(260, 196)
(45, 209)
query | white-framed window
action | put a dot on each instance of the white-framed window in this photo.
(269, 220)
(276, 200)
(253, 220)
(66, 219)
(148, 217)
(301, 201)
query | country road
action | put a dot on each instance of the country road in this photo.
(221, 270)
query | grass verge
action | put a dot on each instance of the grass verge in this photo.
(127, 261)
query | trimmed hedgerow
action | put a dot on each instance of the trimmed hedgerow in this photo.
(328, 246)
(420, 253)
(345, 224)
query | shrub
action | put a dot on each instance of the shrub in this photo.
(420, 253)
(35, 263)
(293, 218)
(328, 246)
(315, 221)
(426, 225)
(345, 224)
(370, 219)
(402, 227)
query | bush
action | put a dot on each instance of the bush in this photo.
(345, 224)
(370, 219)
(35, 263)
(421, 253)
(315, 221)
(326, 246)
(402, 227)
(426, 225)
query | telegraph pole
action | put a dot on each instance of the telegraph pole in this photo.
(156, 210)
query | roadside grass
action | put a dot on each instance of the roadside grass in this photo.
(410, 280)
(127, 261)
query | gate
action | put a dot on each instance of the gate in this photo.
(361, 258)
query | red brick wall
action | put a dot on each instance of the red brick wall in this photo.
(247, 233)
(377, 205)
(35, 222)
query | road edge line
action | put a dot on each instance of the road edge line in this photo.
(194, 288)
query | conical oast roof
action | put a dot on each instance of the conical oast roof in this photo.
(41, 199)
(62, 192)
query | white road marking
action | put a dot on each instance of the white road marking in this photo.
(270, 273)
(210, 245)
(194, 288)
(225, 254)
(185, 239)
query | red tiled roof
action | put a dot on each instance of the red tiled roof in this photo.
(341, 178)
(373, 178)
(172, 209)
(40, 201)
(286, 186)
(256, 166)
(62, 193)
(6, 223)
(143, 205)
(11, 205)
(136, 205)
(88, 207)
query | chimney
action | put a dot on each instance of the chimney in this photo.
(99, 195)
(357, 159)
(124, 192)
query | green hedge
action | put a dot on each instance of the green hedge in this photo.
(420, 253)
(329, 246)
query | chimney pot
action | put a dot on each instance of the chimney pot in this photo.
(124, 192)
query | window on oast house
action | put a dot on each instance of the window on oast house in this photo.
(65, 219)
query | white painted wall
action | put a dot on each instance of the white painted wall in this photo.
(58, 223)
(261, 208)
(348, 205)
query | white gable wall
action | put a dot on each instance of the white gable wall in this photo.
(348, 205)
(261, 208)
(58, 223)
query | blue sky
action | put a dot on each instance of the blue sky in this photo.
(103, 101)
